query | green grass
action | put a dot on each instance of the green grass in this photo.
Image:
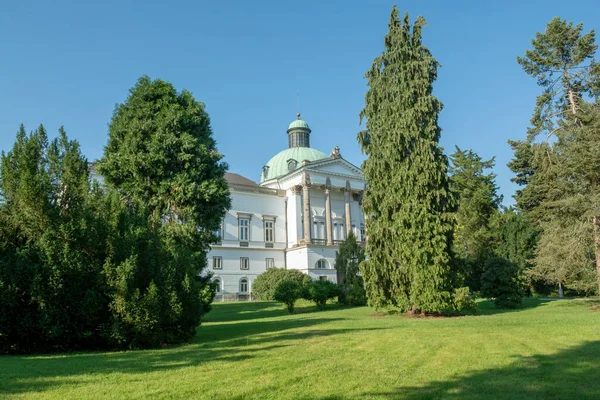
(545, 350)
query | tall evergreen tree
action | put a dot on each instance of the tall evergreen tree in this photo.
(407, 202)
(163, 159)
(478, 203)
(562, 185)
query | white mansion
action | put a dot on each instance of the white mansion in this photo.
(305, 205)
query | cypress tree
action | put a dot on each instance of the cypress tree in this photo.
(407, 202)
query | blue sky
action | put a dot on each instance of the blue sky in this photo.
(70, 62)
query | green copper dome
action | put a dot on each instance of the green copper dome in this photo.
(288, 160)
(298, 123)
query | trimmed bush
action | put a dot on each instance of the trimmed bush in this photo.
(288, 292)
(265, 284)
(322, 290)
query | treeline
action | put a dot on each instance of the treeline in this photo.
(435, 226)
(84, 266)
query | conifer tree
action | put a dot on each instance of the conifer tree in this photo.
(407, 202)
(162, 158)
(478, 204)
(559, 171)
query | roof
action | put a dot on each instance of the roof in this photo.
(238, 182)
(298, 124)
(279, 165)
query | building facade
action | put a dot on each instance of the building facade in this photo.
(305, 205)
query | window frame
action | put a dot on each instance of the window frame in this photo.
(247, 262)
(242, 228)
(244, 281)
(270, 261)
(268, 230)
(215, 258)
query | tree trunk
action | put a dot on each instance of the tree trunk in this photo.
(560, 291)
(597, 249)
(570, 92)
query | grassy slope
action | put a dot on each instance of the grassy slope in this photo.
(547, 350)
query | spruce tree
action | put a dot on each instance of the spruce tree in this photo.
(407, 202)
(478, 204)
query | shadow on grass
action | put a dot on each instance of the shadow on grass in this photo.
(213, 344)
(242, 311)
(487, 307)
(573, 373)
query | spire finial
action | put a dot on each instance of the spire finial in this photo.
(298, 104)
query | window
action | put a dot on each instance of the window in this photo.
(270, 262)
(244, 263)
(219, 232)
(244, 234)
(217, 283)
(292, 164)
(338, 231)
(265, 172)
(244, 285)
(322, 264)
(362, 232)
(269, 231)
(322, 278)
(217, 262)
(319, 230)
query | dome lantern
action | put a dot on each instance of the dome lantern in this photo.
(298, 133)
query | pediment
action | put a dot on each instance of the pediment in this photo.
(335, 166)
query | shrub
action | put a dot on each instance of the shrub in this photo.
(265, 284)
(464, 301)
(500, 283)
(287, 292)
(322, 290)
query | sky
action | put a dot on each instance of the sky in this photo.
(70, 63)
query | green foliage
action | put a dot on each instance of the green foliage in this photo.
(288, 292)
(560, 178)
(464, 301)
(478, 204)
(408, 202)
(347, 261)
(559, 61)
(321, 290)
(161, 153)
(52, 295)
(500, 283)
(265, 285)
(565, 256)
(118, 267)
(163, 161)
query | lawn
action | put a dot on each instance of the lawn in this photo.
(545, 350)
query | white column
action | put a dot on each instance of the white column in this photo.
(347, 193)
(328, 223)
(307, 216)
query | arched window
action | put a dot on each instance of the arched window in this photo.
(217, 283)
(265, 172)
(322, 264)
(244, 285)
